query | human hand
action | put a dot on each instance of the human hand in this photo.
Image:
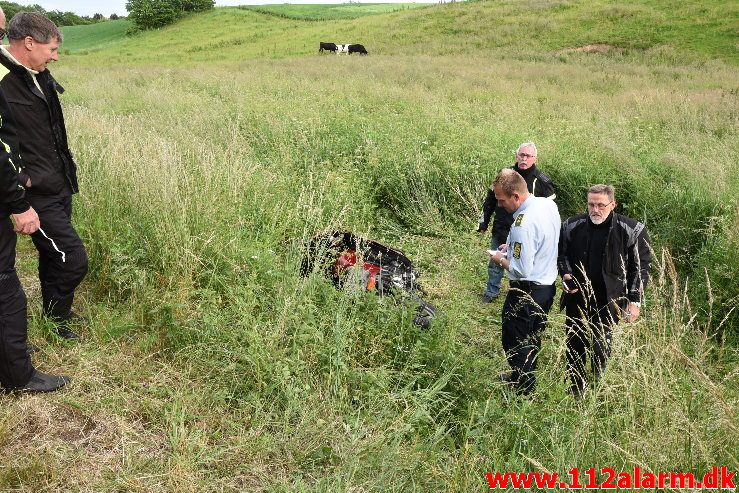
(632, 312)
(566, 284)
(503, 248)
(497, 256)
(26, 222)
(28, 183)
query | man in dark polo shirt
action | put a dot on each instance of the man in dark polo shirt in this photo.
(604, 260)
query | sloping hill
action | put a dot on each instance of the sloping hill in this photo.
(94, 36)
(674, 31)
(331, 11)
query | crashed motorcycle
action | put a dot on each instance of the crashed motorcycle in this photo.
(344, 257)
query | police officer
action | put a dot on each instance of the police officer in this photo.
(530, 256)
(16, 371)
(538, 184)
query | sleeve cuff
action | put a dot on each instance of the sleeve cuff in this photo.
(19, 206)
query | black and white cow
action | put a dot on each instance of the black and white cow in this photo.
(327, 46)
(342, 49)
(356, 48)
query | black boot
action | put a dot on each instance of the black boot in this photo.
(43, 382)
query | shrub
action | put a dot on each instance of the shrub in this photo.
(152, 14)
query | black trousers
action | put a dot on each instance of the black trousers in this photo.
(589, 331)
(15, 363)
(62, 262)
(524, 318)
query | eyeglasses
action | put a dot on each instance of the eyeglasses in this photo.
(3, 33)
(526, 156)
(600, 207)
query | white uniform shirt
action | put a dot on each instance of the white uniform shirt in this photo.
(533, 241)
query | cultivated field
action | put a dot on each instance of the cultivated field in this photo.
(210, 150)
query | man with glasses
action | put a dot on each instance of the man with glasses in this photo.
(49, 173)
(604, 260)
(539, 185)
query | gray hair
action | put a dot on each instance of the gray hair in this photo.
(510, 182)
(609, 190)
(525, 145)
(33, 24)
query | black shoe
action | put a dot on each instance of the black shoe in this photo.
(63, 331)
(509, 377)
(78, 319)
(488, 299)
(43, 382)
(31, 348)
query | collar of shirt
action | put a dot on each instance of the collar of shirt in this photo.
(526, 203)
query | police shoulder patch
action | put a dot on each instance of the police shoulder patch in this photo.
(519, 220)
(516, 250)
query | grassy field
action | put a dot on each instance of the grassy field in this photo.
(94, 36)
(325, 12)
(210, 150)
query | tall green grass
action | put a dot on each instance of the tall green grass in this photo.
(210, 365)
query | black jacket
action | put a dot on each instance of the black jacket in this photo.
(12, 194)
(35, 126)
(539, 185)
(626, 258)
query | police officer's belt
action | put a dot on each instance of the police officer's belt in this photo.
(528, 286)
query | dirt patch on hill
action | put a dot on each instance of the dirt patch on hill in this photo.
(594, 48)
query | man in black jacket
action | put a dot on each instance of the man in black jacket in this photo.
(604, 260)
(16, 371)
(49, 173)
(539, 185)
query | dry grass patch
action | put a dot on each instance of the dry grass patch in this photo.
(594, 48)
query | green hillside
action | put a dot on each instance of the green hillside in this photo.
(94, 36)
(324, 12)
(666, 30)
(210, 151)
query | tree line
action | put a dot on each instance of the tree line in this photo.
(145, 14)
(57, 16)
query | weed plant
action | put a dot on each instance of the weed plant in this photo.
(210, 365)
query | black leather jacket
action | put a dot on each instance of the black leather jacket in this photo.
(33, 124)
(626, 259)
(12, 194)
